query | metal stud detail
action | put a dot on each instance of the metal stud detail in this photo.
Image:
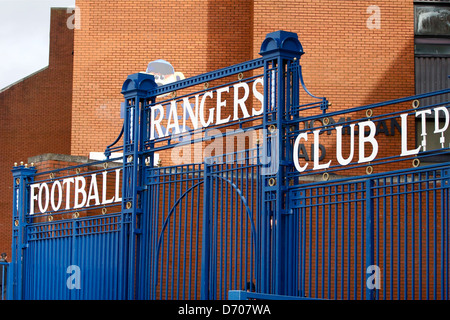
(272, 182)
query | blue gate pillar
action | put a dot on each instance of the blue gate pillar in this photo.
(23, 175)
(135, 90)
(279, 50)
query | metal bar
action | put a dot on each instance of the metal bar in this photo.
(205, 273)
(427, 239)
(369, 233)
(210, 76)
(420, 192)
(413, 253)
(435, 240)
(384, 239)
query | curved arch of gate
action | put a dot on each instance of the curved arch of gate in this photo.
(165, 223)
(162, 233)
(243, 199)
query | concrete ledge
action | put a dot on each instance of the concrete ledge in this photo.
(58, 157)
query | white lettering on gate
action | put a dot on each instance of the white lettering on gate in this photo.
(46, 196)
(367, 138)
(196, 113)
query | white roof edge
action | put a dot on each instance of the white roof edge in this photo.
(20, 80)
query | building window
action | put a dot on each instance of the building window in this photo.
(432, 63)
(431, 20)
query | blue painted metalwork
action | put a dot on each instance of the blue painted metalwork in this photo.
(247, 295)
(370, 222)
(3, 279)
(242, 219)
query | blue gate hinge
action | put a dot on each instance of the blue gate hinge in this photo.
(24, 246)
(140, 188)
(138, 231)
(445, 174)
(296, 199)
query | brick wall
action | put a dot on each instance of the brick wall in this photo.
(120, 38)
(346, 59)
(36, 116)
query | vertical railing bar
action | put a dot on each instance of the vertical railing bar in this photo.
(442, 233)
(104, 256)
(446, 212)
(391, 237)
(185, 237)
(228, 231)
(154, 188)
(259, 234)
(221, 290)
(435, 236)
(169, 243)
(420, 233)
(355, 262)
(316, 266)
(363, 245)
(152, 231)
(413, 282)
(398, 239)
(349, 228)
(242, 218)
(448, 245)
(236, 223)
(405, 198)
(100, 240)
(161, 258)
(180, 212)
(165, 205)
(250, 191)
(376, 223)
(219, 243)
(323, 245)
(368, 213)
(173, 223)
(247, 226)
(329, 240)
(335, 239)
(384, 237)
(310, 213)
(198, 250)
(427, 208)
(248, 220)
(342, 238)
(191, 245)
(177, 186)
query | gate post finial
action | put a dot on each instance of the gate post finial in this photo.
(281, 43)
(136, 82)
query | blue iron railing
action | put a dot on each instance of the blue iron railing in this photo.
(375, 229)
(3, 280)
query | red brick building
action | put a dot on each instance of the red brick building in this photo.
(345, 60)
(36, 115)
(356, 53)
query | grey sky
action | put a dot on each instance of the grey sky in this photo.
(24, 37)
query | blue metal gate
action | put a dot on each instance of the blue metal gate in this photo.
(261, 215)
